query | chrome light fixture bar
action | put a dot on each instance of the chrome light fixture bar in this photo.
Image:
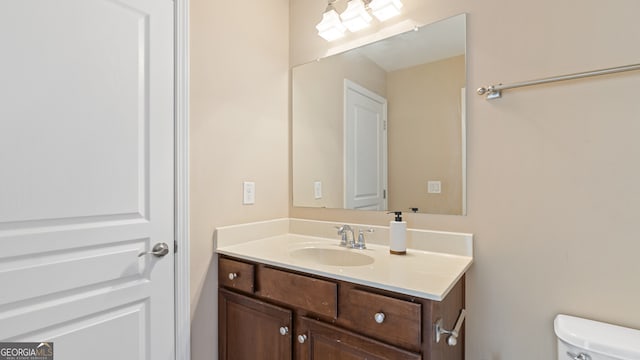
(356, 16)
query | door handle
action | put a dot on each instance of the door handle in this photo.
(159, 250)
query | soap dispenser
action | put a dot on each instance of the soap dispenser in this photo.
(397, 234)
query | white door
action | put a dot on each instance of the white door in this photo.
(86, 177)
(365, 118)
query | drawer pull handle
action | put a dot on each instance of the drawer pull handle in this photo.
(284, 330)
(452, 340)
(302, 338)
(379, 317)
(232, 276)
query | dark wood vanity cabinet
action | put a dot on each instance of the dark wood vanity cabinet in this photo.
(272, 313)
(253, 329)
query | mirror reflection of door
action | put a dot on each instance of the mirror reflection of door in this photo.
(365, 118)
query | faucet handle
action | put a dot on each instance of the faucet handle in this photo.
(342, 230)
(360, 244)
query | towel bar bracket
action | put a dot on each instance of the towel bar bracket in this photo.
(452, 339)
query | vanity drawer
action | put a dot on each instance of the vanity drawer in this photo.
(236, 274)
(399, 322)
(304, 292)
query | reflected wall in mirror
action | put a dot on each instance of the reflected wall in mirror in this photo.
(382, 126)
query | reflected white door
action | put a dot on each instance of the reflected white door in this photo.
(365, 118)
(86, 177)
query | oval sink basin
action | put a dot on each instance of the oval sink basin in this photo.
(332, 257)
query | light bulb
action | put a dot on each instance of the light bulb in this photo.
(385, 9)
(330, 28)
(355, 17)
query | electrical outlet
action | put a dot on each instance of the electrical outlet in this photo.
(434, 187)
(248, 193)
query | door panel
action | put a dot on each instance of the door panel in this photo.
(86, 334)
(86, 149)
(365, 149)
(58, 272)
(83, 88)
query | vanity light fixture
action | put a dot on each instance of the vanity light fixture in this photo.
(331, 28)
(356, 16)
(385, 9)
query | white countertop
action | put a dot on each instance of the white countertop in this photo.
(419, 273)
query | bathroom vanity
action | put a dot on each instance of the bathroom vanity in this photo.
(267, 312)
(295, 296)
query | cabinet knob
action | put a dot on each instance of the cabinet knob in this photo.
(379, 317)
(302, 338)
(284, 330)
(232, 276)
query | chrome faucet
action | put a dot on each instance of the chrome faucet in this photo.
(351, 243)
(343, 231)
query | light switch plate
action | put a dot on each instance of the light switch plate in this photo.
(248, 193)
(317, 189)
(434, 187)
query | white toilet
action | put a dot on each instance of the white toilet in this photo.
(583, 339)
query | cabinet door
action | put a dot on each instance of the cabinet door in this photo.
(320, 341)
(250, 329)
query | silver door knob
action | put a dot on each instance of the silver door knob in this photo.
(379, 317)
(232, 276)
(302, 338)
(284, 330)
(159, 250)
(581, 356)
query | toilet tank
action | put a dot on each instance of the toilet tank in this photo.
(595, 340)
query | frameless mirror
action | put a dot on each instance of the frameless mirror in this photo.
(382, 126)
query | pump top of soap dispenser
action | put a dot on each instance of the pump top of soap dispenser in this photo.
(398, 215)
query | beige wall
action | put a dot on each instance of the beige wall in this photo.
(552, 170)
(424, 136)
(318, 107)
(239, 131)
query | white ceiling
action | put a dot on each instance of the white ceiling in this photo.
(429, 43)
